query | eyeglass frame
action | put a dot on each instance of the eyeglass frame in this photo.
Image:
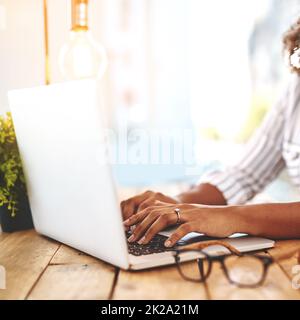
(266, 262)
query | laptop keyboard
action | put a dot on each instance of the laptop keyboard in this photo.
(156, 245)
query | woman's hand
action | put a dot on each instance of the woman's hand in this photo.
(212, 221)
(137, 203)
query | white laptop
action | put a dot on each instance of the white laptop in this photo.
(71, 190)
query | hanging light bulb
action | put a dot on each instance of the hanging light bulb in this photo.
(81, 57)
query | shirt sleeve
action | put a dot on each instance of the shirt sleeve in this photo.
(260, 163)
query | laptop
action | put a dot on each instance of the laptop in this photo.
(72, 195)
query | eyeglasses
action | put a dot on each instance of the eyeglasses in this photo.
(242, 270)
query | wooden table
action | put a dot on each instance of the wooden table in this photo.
(40, 268)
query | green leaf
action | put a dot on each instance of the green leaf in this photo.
(11, 172)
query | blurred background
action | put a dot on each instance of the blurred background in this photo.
(211, 67)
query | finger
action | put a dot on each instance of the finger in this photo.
(180, 232)
(141, 228)
(152, 202)
(129, 206)
(145, 204)
(160, 223)
(128, 209)
(137, 217)
(161, 203)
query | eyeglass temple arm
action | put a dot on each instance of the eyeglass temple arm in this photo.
(202, 245)
(287, 254)
(205, 244)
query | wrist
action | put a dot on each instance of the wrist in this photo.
(204, 193)
(240, 219)
(221, 221)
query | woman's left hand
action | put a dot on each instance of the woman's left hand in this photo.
(213, 221)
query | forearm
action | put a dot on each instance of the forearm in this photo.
(277, 221)
(203, 194)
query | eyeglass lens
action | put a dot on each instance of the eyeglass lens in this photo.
(243, 270)
(195, 270)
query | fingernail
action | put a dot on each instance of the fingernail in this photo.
(132, 227)
(126, 222)
(131, 238)
(168, 243)
(142, 240)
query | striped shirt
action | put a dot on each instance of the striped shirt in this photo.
(274, 146)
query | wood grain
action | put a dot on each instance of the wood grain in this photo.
(24, 255)
(39, 268)
(72, 274)
(74, 281)
(68, 255)
(3, 235)
(159, 283)
(288, 249)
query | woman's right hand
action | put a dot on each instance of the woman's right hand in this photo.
(137, 203)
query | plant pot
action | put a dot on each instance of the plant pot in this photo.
(22, 219)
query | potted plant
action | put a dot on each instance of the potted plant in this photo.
(15, 212)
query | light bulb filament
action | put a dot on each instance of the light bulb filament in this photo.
(79, 15)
